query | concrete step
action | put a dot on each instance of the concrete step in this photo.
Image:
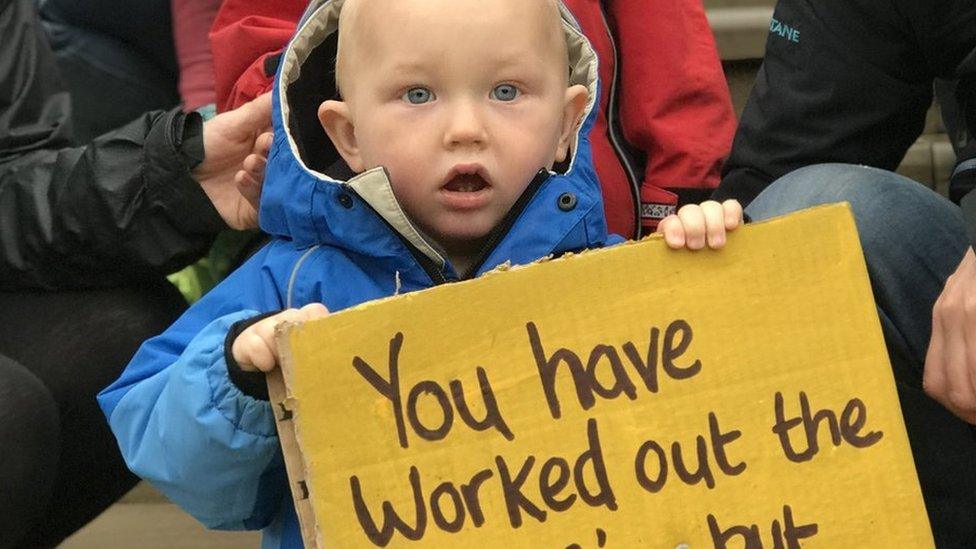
(740, 32)
(144, 518)
(154, 526)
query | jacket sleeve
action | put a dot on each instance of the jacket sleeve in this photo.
(674, 104)
(121, 208)
(842, 81)
(186, 428)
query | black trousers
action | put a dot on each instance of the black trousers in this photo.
(59, 463)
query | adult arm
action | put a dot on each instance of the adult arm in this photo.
(119, 209)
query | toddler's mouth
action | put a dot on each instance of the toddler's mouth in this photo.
(466, 183)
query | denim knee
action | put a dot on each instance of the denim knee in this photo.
(889, 209)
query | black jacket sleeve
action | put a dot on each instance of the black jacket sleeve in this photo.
(117, 210)
(844, 81)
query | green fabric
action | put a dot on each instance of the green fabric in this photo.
(224, 256)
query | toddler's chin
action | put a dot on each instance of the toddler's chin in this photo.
(463, 236)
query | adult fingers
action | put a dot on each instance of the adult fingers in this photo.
(256, 114)
(934, 376)
(967, 336)
(249, 187)
(959, 392)
(951, 358)
(263, 143)
(255, 165)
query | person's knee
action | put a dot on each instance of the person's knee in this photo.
(26, 407)
(139, 313)
(29, 438)
(78, 342)
(884, 204)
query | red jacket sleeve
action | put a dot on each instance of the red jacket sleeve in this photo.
(675, 104)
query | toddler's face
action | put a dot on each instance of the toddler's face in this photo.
(462, 101)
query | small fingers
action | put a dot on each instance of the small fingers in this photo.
(257, 349)
(253, 350)
(714, 223)
(674, 234)
(313, 311)
(692, 219)
(733, 214)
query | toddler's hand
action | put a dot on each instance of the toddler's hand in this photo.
(696, 223)
(256, 350)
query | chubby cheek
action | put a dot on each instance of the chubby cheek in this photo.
(529, 142)
(401, 152)
(523, 160)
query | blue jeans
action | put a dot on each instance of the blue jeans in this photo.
(913, 239)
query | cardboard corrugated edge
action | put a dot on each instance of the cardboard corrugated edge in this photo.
(285, 410)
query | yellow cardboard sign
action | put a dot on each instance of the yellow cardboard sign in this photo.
(628, 397)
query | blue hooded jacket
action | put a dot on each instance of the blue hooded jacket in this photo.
(181, 423)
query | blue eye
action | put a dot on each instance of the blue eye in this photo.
(505, 92)
(418, 96)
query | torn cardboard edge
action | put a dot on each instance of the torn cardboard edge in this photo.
(508, 267)
(283, 407)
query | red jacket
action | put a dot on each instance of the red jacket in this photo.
(665, 123)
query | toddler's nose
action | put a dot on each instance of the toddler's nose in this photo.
(466, 126)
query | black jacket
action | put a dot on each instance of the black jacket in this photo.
(850, 81)
(117, 210)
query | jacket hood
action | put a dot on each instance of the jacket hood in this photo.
(311, 197)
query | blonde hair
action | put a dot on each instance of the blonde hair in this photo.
(351, 13)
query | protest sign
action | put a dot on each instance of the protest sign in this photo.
(634, 396)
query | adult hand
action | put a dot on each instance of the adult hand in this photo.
(950, 364)
(236, 145)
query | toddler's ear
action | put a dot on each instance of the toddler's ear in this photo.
(575, 102)
(337, 123)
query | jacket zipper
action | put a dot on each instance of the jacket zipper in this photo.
(427, 264)
(615, 140)
(499, 232)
